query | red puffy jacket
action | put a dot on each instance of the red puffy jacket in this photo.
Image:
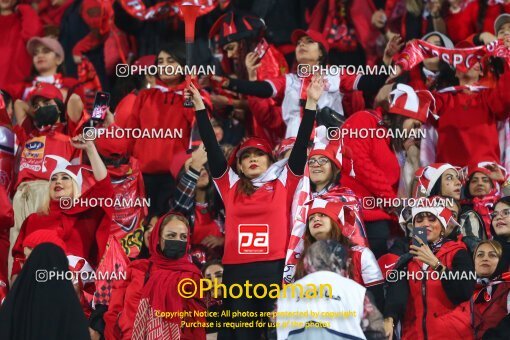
(375, 164)
(488, 314)
(429, 312)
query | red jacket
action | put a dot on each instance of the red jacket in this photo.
(488, 314)
(15, 31)
(157, 109)
(465, 119)
(126, 295)
(428, 307)
(375, 164)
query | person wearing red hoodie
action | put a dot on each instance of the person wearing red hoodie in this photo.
(376, 165)
(17, 25)
(150, 288)
(162, 108)
(436, 307)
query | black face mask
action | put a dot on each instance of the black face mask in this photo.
(174, 249)
(46, 115)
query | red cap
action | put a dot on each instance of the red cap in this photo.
(316, 36)
(146, 60)
(44, 236)
(342, 213)
(45, 90)
(109, 147)
(256, 143)
(407, 102)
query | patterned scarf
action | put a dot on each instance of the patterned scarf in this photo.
(164, 9)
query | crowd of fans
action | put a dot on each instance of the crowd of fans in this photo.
(269, 177)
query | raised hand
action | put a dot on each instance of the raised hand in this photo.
(193, 93)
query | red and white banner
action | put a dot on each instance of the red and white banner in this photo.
(165, 9)
(460, 58)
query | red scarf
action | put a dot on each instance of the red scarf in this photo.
(165, 275)
(89, 81)
(462, 59)
(485, 286)
(484, 206)
(163, 10)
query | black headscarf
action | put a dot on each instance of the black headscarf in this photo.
(43, 310)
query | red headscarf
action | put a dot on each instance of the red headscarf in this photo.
(165, 275)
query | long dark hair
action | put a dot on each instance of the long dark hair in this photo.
(176, 49)
(245, 184)
(335, 179)
(395, 122)
(214, 202)
(125, 85)
(335, 234)
(245, 46)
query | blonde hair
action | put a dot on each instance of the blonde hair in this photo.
(45, 205)
(494, 244)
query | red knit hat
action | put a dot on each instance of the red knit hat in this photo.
(314, 35)
(434, 205)
(407, 102)
(255, 143)
(45, 90)
(44, 236)
(334, 150)
(342, 213)
(428, 176)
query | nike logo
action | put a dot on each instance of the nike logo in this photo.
(388, 266)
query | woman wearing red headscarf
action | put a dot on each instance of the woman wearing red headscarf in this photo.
(151, 288)
(257, 203)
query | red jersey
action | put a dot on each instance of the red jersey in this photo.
(161, 109)
(37, 146)
(256, 226)
(366, 269)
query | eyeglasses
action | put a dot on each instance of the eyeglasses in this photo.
(504, 213)
(320, 161)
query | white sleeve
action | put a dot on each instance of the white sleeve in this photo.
(370, 271)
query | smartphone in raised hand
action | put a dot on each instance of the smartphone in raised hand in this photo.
(101, 104)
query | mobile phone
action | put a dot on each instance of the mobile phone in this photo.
(101, 104)
(421, 232)
(261, 49)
